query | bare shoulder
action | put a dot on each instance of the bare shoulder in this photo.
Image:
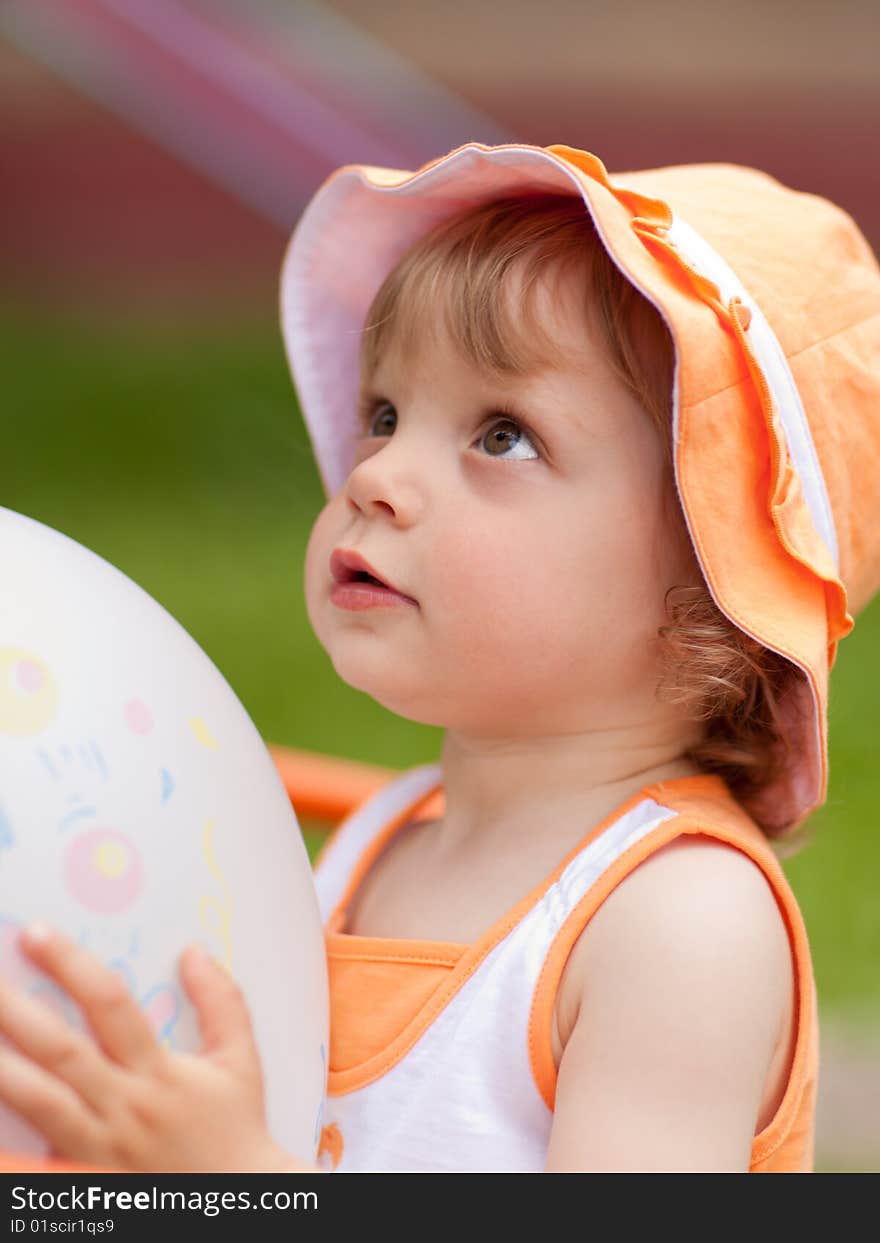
(684, 979)
(699, 915)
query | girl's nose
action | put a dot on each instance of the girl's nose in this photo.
(385, 483)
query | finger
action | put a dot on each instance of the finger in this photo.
(117, 1022)
(224, 1019)
(62, 1052)
(49, 1106)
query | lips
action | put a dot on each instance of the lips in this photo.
(348, 566)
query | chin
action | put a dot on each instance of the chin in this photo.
(390, 688)
(357, 669)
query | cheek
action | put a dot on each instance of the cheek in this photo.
(549, 583)
(316, 565)
(475, 567)
(504, 586)
(516, 630)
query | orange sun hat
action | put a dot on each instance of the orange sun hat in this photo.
(772, 298)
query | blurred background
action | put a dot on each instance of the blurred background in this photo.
(155, 155)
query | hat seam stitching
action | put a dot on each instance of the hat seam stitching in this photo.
(857, 323)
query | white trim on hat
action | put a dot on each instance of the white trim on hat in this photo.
(774, 365)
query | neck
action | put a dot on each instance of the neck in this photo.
(497, 790)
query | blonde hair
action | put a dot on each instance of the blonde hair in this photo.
(463, 268)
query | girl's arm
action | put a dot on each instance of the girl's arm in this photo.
(124, 1101)
(686, 986)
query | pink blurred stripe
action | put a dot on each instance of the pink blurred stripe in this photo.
(226, 65)
(217, 96)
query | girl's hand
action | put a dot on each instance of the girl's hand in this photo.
(127, 1101)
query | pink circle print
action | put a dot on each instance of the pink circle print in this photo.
(138, 716)
(29, 676)
(104, 871)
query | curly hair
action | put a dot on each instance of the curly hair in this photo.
(721, 675)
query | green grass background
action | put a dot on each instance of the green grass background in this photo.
(177, 452)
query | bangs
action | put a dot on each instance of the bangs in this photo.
(482, 276)
(476, 278)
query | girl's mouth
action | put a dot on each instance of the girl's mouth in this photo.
(357, 587)
(366, 592)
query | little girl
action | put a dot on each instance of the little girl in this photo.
(597, 453)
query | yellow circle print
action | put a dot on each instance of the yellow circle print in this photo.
(28, 693)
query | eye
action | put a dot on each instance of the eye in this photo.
(508, 434)
(379, 418)
(368, 413)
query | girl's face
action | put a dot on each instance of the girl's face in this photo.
(525, 517)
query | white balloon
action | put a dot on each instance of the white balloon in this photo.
(139, 810)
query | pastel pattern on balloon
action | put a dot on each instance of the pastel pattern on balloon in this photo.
(167, 785)
(138, 717)
(28, 693)
(162, 1008)
(160, 1004)
(203, 734)
(215, 914)
(104, 871)
(7, 837)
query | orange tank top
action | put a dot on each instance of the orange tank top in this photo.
(461, 1034)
